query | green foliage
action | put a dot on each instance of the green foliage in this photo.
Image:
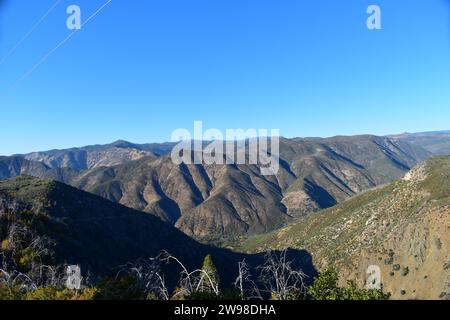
(5, 245)
(7, 293)
(352, 292)
(60, 293)
(438, 243)
(152, 297)
(390, 260)
(26, 257)
(210, 268)
(405, 271)
(447, 265)
(326, 287)
(295, 294)
(125, 288)
(46, 294)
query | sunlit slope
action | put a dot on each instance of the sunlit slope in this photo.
(402, 227)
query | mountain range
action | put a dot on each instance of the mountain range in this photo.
(436, 142)
(225, 202)
(347, 201)
(402, 227)
(79, 228)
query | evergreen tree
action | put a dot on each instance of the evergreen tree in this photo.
(210, 283)
(326, 287)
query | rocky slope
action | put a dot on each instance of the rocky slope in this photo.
(224, 202)
(403, 227)
(212, 202)
(87, 229)
(98, 156)
(16, 166)
(78, 228)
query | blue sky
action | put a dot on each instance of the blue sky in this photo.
(141, 69)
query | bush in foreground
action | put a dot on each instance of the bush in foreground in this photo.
(326, 287)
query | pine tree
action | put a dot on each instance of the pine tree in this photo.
(326, 287)
(210, 283)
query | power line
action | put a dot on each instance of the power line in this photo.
(30, 32)
(48, 54)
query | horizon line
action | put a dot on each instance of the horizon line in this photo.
(445, 131)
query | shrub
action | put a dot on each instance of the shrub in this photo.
(443, 295)
(352, 292)
(26, 257)
(325, 287)
(447, 265)
(7, 293)
(125, 288)
(213, 276)
(438, 243)
(5, 245)
(60, 293)
(405, 271)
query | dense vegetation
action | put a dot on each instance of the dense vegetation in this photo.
(145, 282)
(326, 288)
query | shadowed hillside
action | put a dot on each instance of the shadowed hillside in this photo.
(402, 227)
(221, 203)
(101, 236)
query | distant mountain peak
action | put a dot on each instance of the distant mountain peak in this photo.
(122, 144)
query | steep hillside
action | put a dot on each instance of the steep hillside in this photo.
(215, 202)
(87, 229)
(64, 225)
(334, 169)
(15, 166)
(402, 227)
(186, 195)
(224, 202)
(98, 156)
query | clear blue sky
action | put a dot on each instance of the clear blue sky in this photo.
(141, 69)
